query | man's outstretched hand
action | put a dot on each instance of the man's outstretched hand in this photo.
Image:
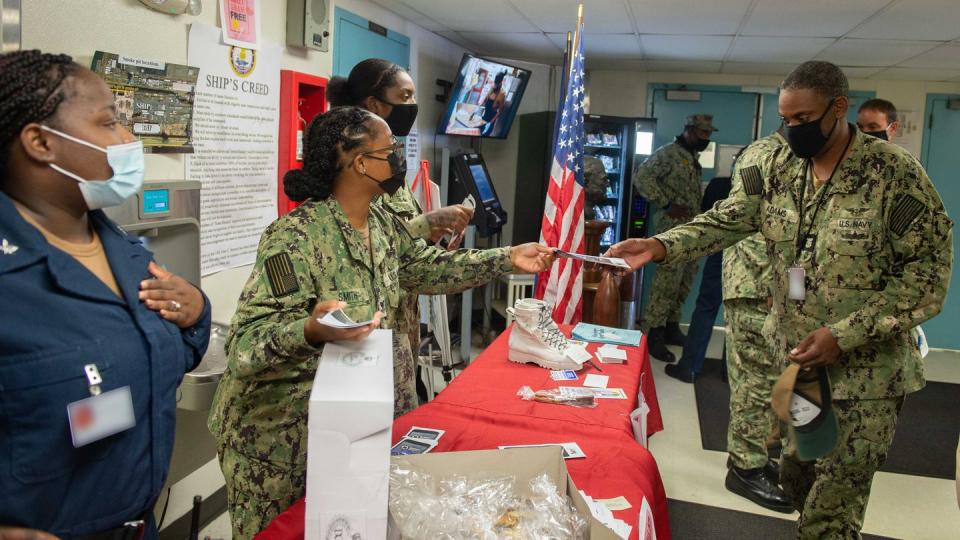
(638, 251)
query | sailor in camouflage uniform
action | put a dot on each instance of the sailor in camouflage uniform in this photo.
(875, 255)
(751, 366)
(387, 90)
(335, 250)
(670, 180)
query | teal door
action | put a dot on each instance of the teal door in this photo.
(734, 113)
(942, 161)
(355, 39)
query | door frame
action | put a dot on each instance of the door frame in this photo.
(927, 124)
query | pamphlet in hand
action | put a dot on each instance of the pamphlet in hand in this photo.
(608, 261)
(339, 319)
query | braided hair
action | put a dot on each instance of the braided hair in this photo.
(368, 78)
(330, 135)
(31, 88)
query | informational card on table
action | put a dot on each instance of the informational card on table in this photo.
(593, 380)
(570, 450)
(235, 130)
(606, 261)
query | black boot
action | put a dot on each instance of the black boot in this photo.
(656, 346)
(677, 372)
(673, 335)
(772, 468)
(755, 485)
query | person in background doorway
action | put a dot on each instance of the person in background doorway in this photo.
(387, 90)
(878, 117)
(670, 180)
(337, 250)
(709, 298)
(95, 336)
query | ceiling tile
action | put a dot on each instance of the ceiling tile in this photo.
(411, 14)
(474, 16)
(914, 19)
(916, 74)
(854, 72)
(560, 16)
(458, 38)
(771, 49)
(514, 45)
(685, 67)
(944, 56)
(813, 18)
(604, 45)
(706, 17)
(757, 68)
(685, 47)
(873, 52)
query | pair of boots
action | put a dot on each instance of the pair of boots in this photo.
(536, 338)
(658, 338)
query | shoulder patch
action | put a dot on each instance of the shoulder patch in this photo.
(905, 211)
(752, 180)
(281, 275)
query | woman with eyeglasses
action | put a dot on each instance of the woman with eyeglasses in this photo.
(337, 250)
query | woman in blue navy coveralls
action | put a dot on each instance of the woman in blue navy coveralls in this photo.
(76, 291)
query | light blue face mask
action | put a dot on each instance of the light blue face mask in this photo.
(126, 160)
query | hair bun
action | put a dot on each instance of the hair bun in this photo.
(339, 93)
(297, 184)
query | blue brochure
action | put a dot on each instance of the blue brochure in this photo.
(606, 334)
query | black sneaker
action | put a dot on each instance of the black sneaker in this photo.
(684, 375)
(755, 485)
(672, 334)
(658, 349)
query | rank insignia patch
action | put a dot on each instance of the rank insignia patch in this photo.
(281, 275)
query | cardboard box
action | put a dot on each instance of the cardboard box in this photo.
(522, 463)
(348, 441)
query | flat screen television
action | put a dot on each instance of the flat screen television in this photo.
(484, 98)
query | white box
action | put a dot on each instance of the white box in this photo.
(348, 439)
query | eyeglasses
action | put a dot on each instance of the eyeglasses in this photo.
(395, 148)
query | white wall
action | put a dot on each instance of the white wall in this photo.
(624, 93)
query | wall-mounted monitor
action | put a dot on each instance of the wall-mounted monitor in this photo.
(484, 98)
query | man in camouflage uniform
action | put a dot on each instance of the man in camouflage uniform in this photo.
(259, 415)
(670, 180)
(865, 236)
(752, 367)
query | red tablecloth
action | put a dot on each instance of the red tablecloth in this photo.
(480, 410)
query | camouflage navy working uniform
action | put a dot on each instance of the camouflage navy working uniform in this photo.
(403, 205)
(751, 367)
(312, 254)
(877, 263)
(671, 175)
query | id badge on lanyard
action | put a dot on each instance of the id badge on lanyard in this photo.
(102, 414)
(798, 287)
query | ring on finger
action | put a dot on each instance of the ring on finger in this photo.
(175, 306)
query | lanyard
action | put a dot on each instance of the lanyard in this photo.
(827, 186)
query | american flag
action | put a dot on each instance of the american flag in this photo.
(562, 225)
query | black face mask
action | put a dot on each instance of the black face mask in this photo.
(806, 140)
(701, 144)
(882, 134)
(398, 170)
(401, 118)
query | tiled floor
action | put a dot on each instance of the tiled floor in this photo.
(901, 506)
